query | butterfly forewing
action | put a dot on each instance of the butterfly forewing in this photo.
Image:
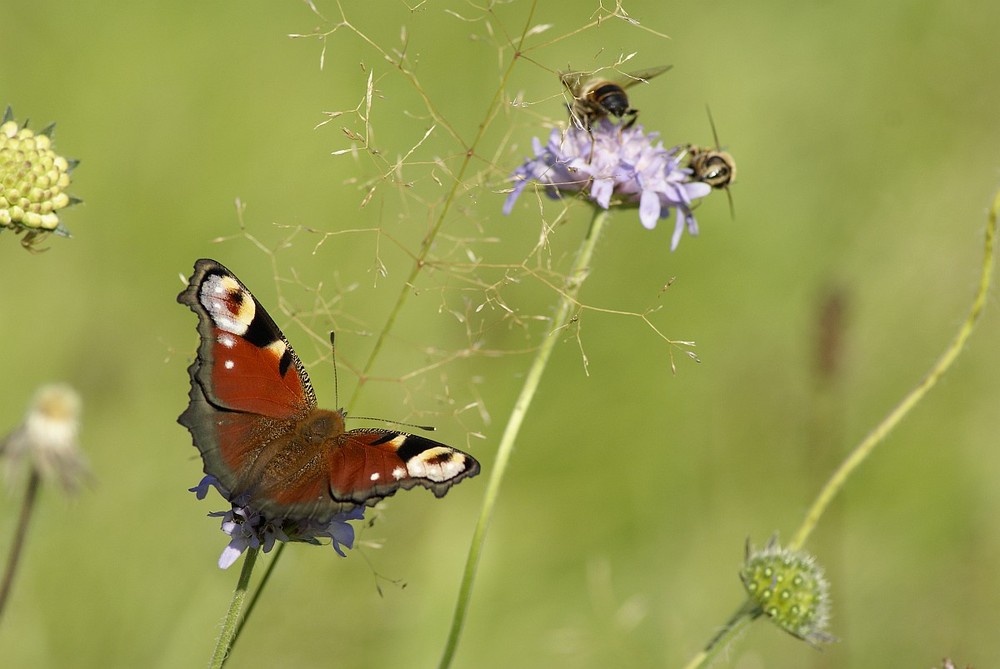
(244, 362)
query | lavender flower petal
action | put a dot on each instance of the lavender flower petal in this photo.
(614, 166)
(249, 528)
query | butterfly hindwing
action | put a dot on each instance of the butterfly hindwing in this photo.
(355, 468)
(369, 464)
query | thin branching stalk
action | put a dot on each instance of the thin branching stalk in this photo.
(20, 534)
(228, 635)
(427, 244)
(567, 302)
(420, 260)
(749, 611)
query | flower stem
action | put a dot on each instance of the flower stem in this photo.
(746, 613)
(229, 625)
(30, 495)
(578, 274)
(943, 364)
(279, 549)
(743, 616)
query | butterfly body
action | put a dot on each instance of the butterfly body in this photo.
(254, 418)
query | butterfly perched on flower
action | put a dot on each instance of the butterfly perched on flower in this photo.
(254, 418)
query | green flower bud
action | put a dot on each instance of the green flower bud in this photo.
(790, 589)
(33, 182)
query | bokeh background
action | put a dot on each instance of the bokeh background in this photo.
(866, 137)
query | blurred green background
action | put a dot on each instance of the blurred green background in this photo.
(866, 137)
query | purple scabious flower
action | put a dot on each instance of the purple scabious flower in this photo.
(613, 165)
(247, 528)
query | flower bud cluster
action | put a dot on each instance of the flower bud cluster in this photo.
(33, 181)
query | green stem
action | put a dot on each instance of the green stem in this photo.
(255, 597)
(943, 364)
(567, 301)
(745, 615)
(30, 495)
(228, 635)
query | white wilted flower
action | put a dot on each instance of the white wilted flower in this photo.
(48, 438)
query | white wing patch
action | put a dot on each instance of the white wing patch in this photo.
(423, 465)
(217, 297)
(277, 347)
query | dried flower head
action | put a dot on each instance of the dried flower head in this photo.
(947, 663)
(48, 438)
(33, 182)
(790, 589)
(248, 528)
(614, 165)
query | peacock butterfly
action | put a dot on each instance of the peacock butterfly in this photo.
(253, 417)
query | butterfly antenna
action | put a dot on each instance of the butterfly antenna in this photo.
(336, 381)
(336, 395)
(426, 428)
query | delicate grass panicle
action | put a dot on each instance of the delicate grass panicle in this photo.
(614, 166)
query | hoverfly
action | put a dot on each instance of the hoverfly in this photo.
(714, 167)
(596, 96)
